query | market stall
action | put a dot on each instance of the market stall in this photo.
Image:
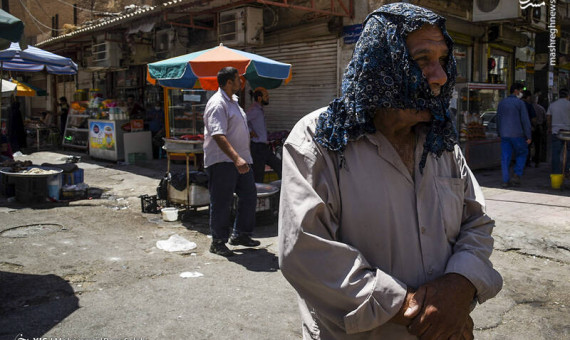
(104, 127)
(188, 82)
(21, 58)
(476, 123)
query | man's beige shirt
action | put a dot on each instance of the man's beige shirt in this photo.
(352, 239)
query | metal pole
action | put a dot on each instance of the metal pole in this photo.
(1, 81)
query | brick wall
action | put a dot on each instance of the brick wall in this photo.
(43, 11)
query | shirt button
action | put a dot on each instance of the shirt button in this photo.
(430, 271)
(423, 230)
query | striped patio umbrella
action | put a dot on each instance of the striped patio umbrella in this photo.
(33, 59)
(200, 69)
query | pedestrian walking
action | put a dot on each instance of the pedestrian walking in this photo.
(382, 226)
(260, 149)
(514, 129)
(558, 117)
(227, 160)
(63, 113)
(16, 128)
(539, 133)
(527, 99)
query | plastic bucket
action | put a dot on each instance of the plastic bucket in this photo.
(169, 214)
(556, 180)
(54, 185)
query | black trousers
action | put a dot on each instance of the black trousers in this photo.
(262, 154)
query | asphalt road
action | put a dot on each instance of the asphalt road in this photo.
(90, 269)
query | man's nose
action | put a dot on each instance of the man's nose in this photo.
(435, 75)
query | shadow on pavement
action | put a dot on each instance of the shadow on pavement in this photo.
(534, 180)
(198, 220)
(30, 305)
(255, 259)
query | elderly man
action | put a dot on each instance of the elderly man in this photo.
(382, 226)
(227, 160)
(260, 150)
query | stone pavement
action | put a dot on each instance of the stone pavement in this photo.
(91, 268)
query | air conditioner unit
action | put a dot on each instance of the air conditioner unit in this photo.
(536, 17)
(164, 40)
(533, 14)
(490, 10)
(564, 47)
(241, 26)
(106, 54)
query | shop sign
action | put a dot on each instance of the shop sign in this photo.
(351, 33)
(102, 135)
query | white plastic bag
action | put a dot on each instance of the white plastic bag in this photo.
(175, 243)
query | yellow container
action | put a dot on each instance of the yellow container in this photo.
(556, 180)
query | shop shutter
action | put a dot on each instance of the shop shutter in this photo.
(314, 82)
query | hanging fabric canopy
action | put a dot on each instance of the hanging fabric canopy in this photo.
(33, 59)
(27, 90)
(200, 69)
(11, 29)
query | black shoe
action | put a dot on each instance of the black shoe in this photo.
(515, 180)
(219, 248)
(504, 185)
(243, 240)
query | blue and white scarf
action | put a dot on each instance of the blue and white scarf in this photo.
(382, 74)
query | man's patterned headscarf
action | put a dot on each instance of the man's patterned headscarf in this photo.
(382, 74)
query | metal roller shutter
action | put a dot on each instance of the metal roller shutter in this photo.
(314, 82)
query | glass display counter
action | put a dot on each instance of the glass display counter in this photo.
(185, 112)
(476, 123)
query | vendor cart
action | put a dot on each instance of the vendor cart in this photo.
(193, 195)
(188, 82)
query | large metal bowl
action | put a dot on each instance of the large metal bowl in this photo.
(55, 171)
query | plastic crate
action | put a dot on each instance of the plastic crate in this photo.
(76, 177)
(136, 157)
(69, 195)
(150, 204)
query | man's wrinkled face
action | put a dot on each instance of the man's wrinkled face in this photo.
(428, 49)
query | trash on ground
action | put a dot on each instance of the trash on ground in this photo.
(186, 275)
(175, 243)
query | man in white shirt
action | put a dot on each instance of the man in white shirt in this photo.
(227, 161)
(558, 118)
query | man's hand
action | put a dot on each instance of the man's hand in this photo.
(444, 306)
(241, 165)
(406, 314)
(528, 141)
(466, 333)
(227, 148)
